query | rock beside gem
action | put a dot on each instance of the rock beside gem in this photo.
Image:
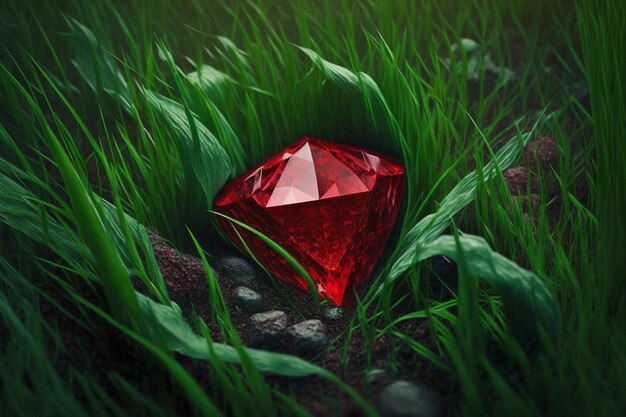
(266, 329)
(239, 271)
(307, 338)
(333, 314)
(519, 181)
(248, 300)
(542, 151)
(406, 399)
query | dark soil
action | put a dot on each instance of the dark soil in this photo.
(90, 345)
(186, 282)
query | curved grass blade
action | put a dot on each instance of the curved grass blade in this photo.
(209, 162)
(97, 67)
(209, 80)
(179, 337)
(361, 86)
(199, 104)
(282, 252)
(529, 306)
(114, 275)
(203, 88)
(182, 339)
(431, 226)
(21, 211)
(191, 388)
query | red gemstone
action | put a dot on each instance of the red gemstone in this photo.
(330, 206)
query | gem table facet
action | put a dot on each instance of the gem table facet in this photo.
(332, 207)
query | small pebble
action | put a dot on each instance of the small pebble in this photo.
(266, 329)
(248, 300)
(406, 399)
(239, 271)
(307, 338)
(334, 313)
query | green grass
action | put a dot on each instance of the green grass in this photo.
(115, 117)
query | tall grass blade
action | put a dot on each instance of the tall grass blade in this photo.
(114, 275)
(23, 211)
(360, 86)
(602, 25)
(208, 160)
(282, 252)
(96, 66)
(211, 81)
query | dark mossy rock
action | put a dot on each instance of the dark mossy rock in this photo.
(307, 338)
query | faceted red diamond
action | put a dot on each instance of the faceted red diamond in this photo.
(330, 206)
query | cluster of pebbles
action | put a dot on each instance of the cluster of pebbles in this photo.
(268, 329)
(249, 294)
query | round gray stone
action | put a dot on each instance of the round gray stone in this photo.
(307, 338)
(239, 271)
(405, 399)
(248, 300)
(266, 329)
(334, 313)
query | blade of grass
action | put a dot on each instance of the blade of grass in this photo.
(282, 252)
